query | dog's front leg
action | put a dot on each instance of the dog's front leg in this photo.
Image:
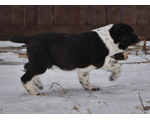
(84, 81)
(112, 65)
(120, 56)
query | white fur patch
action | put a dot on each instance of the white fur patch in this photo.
(37, 83)
(84, 81)
(30, 88)
(104, 34)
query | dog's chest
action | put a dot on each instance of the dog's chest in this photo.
(104, 34)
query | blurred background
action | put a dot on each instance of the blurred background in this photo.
(32, 19)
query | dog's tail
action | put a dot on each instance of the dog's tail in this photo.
(19, 39)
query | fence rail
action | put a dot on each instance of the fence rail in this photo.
(32, 19)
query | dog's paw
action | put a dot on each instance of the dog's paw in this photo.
(92, 88)
(95, 88)
(120, 56)
(113, 77)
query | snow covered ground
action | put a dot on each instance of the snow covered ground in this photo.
(129, 94)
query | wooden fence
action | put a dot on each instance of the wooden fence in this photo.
(32, 19)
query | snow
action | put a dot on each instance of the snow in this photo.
(11, 57)
(10, 44)
(118, 97)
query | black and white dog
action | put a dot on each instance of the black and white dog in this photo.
(84, 52)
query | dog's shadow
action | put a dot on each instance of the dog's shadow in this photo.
(75, 92)
(80, 92)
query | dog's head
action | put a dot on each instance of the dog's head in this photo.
(123, 35)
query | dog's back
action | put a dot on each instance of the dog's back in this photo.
(40, 36)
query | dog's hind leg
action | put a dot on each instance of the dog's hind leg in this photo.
(38, 63)
(112, 65)
(84, 81)
(28, 84)
(30, 88)
(28, 77)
